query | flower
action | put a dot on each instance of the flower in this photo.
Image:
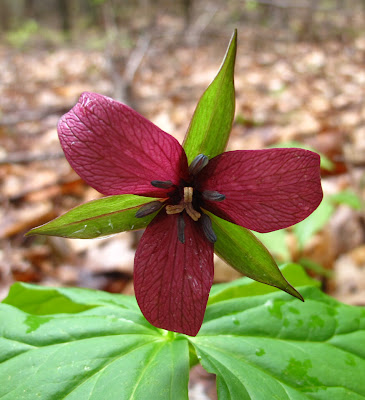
(117, 151)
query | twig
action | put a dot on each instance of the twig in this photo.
(294, 4)
(132, 66)
(24, 158)
(200, 25)
(29, 116)
(136, 57)
(123, 80)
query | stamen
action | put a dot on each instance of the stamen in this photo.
(174, 209)
(181, 229)
(207, 228)
(148, 209)
(198, 164)
(213, 195)
(162, 184)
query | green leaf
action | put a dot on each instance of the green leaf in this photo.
(275, 242)
(211, 124)
(314, 223)
(326, 163)
(320, 217)
(107, 351)
(251, 5)
(274, 347)
(245, 287)
(96, 218)
(347, 197)
(241, 249)
(95, 345)
(44, 301)
(315, 267)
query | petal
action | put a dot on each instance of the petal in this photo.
(172, 280)
(265, 190)
(116, 150)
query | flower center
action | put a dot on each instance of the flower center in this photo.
(185, 204)
(184, 197)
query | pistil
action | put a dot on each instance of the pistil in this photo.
(186, 204)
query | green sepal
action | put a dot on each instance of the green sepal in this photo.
(211, 124)
(241, 249)
(96, 218)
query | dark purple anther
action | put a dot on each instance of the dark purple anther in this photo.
(148, 209)
(213, 195)
(198, 164)
(181, 229)
(162, 184)
(206, 224)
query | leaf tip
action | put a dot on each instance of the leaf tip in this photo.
(232, 44)
(31, 232)
(293, 292)
(36, 231)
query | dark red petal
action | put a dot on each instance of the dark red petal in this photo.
(172, 280)
(265, 190)
(116, 150)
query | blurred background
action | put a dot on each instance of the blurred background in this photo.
(300, 81)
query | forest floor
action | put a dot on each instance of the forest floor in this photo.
(306, 92)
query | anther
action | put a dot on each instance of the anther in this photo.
(148, 209)
(181, 229)
(206, 224)
(162, 184)
(213, 195)
(198, 164)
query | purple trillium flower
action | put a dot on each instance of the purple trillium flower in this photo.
(117, 151)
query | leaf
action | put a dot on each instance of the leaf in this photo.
(318, 220)
(274, 347)
(211, 124)
(314, 223)
(108, 351)
(315, 267)
(347, 197)
(45, 301)
(96, 218)
(275, 242)
(326, 163)
(245, 287)
(95, 345)
(243, 251)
